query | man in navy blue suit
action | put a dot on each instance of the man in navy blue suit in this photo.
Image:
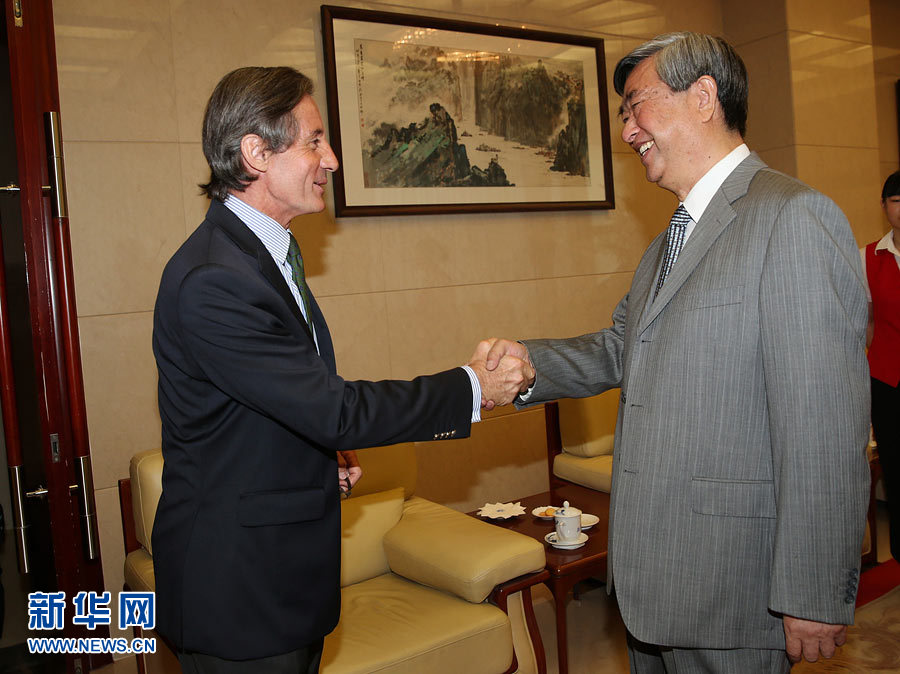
(246, 539)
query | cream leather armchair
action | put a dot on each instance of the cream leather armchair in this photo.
(416, 576)
(580, 441)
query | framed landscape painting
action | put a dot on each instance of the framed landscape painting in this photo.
(436, 116)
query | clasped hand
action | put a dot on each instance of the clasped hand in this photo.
(503, 369)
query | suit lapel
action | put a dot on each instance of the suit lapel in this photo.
(645, 281)
(717, 216)
(248, 242)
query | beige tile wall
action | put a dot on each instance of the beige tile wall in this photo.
(886, 43)
(403, 295)
(817, 118)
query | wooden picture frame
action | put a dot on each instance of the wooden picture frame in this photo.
(432, 115)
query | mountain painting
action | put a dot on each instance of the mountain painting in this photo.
(432, 116)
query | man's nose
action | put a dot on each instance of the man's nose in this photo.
(629, 130)
(329, 159)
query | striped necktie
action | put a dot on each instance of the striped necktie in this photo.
(295, 259)
(674, 243)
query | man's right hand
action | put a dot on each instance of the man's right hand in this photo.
(504, 370)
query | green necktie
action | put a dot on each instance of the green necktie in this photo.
(295, 259)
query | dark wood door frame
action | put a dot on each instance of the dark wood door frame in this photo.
(53, 313)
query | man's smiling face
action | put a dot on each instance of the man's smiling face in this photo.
(658, 125)
(295, 178)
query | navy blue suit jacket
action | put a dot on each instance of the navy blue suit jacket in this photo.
(246, 541)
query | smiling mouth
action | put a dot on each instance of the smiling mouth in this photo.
(645, 147)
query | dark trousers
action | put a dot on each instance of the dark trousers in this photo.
(302, 661)
(886, 427)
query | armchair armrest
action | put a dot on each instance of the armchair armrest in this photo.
(447, 550)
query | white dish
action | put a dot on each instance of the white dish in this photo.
(588, 520)
(551, 539)
(501, 511)
(540, 509)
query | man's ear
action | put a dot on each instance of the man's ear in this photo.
(707, 92)
(255, 153)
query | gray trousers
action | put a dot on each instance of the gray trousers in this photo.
(650, 659)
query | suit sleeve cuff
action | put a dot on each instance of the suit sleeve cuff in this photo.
(476, 394)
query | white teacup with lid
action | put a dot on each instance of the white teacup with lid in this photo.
(568, 524)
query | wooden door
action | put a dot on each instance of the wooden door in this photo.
(53, 519)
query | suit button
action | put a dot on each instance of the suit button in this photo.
(452, 434)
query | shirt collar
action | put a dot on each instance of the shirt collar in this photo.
(701, 194)
(274, 237)
(887, 243)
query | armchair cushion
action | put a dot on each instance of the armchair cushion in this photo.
(419, 630)
(445, 549)
(601, 446)
(594, 473)
(139, 571)
(364, 522)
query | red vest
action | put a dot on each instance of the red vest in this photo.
(884, 283)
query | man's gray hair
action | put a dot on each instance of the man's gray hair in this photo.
(250, 100)
(682, 58)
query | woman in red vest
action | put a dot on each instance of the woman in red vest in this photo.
(881, 267)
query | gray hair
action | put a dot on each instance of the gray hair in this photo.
(682, 58)
(250, 100)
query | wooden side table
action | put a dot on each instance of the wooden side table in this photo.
(566, 567)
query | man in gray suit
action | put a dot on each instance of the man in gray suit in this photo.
(739, 477)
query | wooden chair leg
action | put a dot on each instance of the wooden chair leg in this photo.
(140, 658)
(500, 597)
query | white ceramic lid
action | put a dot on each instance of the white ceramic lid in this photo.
(568, 511)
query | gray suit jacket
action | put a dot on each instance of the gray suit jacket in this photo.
(740, 479)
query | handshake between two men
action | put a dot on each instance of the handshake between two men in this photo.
(503, 369)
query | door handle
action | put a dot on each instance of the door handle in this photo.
(56, 165)
(17, 493)
(12, 187)
(69, 329)
(85, 488)
(86, 506)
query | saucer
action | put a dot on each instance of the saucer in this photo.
(551, 539)
(541, 509)
(587, 521)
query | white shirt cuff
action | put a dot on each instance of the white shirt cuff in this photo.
(476, 394)
(525, 396)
